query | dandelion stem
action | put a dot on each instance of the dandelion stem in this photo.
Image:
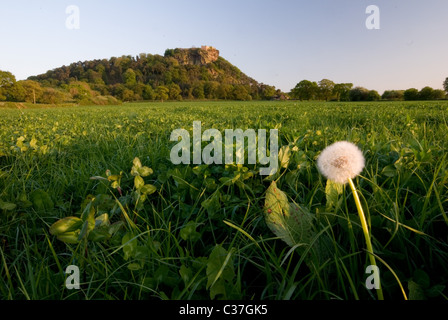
(365, 229)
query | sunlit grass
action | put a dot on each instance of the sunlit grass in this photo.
(403, 190)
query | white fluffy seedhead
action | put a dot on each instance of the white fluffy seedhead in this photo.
(340, 161)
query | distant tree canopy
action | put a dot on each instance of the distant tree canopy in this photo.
(392, 95)
(305, 90)
(426, 93)
(28, 90)
(328, 90)
(411, 94)
(174, 76)
(358, 94)
(342, 91)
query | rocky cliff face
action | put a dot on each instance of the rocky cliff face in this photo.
(194, 56)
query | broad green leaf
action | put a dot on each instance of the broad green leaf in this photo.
(189, 231)
(138, 182)
(145, 171)
(114, 227)
(210, 184)
(99, 234)
(332, 192)
(44, 149)
(69, 237)
(212, 204)
(102, 220)
(129, 246)
(41, 200)
(141, 252)
(288, 221)
(23, 201)
(134, 266)
(136, 162)
(416, 291)
(115, 185)
(67, 224)
(185, 273)
(219, 271)
(33, 143)
(284, 156)
(136, 166)
(226, 181)
(153, 245)
(114, 177)
(22, 197)
(148, 189)
(389, 171)
(277, 212)
(421, 278)
(7, 206)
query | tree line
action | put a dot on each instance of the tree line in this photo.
(328, 90)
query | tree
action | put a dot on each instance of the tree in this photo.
(211, 89)
(174, 92)
(80, 90)
(127, 95)
(240, 93)
(445, 85)
(267, 92)
(198, 90)
(52, 96)
(130, 78)
(342, 91)
(359, 94)
(439, 94)
(305, 90)
(162, 93)
(138, 90)
(224, 91)
(7, 79)
(393, 95)
(15, 92)
(326, 89)
(373, 95)
(33, 90)
(148, 93)
(411, 94)
(427, 93)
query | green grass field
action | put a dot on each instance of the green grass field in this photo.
(198, 232)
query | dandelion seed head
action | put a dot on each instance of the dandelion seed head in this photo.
(340, 161)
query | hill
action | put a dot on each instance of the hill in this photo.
(194, 73)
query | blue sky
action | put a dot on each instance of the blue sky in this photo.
(276, 42)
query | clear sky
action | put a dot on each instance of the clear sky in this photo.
(277, 42)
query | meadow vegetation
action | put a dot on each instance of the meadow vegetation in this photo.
(140, 227)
